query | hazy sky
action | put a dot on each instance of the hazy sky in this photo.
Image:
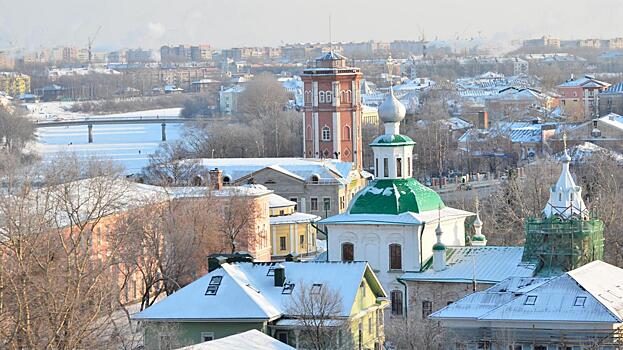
(230, 23)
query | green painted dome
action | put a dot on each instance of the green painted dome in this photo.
(392, 140)
(479, 238)
(395, 196)
(439, 246)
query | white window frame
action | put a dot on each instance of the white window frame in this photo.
(205, 335)
(326, 133)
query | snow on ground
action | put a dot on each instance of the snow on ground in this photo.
(50, 111)
(130, 145)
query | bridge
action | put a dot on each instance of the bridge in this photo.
(89, 122)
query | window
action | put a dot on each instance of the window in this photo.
(282, 243)
(316, 288)
(308, 133)
(362, 288)
(288, 288)
(385, 167)
(376, 167)
(314, 203)
(327, 204)
(226, 180)
(329, 95)
(396, 300)
(315, 179)
(321, 96)
(342, 202)
(579, 301)
(369, 324)
(514, 347)
(395, 257)
(207, 336)
(282, 336)
(326, 133)
(295, 200)
(409, 168)
(427, 308)
(348, 252)
(530, 300)
(540, 347)
(215, 282)
(398, 167)
(302, 240)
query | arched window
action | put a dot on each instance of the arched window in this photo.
(321, 96)
(348, 96)
(396, 299)
(315, 178)
(226, 180)
(347, 132)
(395, 257)
(348, 251)
(326, 133)
(329, 96)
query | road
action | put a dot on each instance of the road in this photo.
(482, 189)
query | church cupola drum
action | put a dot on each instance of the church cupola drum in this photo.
(332, 108)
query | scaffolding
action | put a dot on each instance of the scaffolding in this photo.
(558, 245)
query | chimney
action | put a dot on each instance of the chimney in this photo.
(280, 275)
(483, 120)
(216, 179)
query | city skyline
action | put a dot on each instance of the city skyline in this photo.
(233, 23)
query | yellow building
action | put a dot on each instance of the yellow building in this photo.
(291, 232)
(14, 83)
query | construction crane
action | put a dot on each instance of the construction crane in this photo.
(91, 40)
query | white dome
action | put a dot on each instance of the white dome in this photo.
(392, 110)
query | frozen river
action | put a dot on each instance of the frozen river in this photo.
(128, 144)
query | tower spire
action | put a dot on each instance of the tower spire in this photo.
(478, 239)
(439, 249)
(565, 197)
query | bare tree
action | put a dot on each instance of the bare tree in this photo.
(15, 131)
(51, 279)
(411, 334)
(167, 166)
(235, 218)
(318, 312)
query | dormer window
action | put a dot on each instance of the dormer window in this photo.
(579, 301)
(530, 300)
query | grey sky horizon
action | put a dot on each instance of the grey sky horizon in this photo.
(232, 23)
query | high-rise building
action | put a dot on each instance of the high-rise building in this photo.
(332, 107)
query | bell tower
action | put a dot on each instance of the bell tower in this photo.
(332, 107)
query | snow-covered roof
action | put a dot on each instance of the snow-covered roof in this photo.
(581, 153)
(613, 120)
(458, 124)
(585, 81)
(252, 339)
(407, 218)
(299, 168)
(517, 132)
(592, 293)
(614, 89)
(276, 201)
(247, 291)
(295, 218)
(120, 195)
(487, 264)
